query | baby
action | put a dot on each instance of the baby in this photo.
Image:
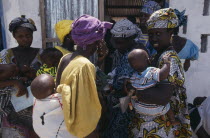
(50, 58)
(48, 118)
(146, 77)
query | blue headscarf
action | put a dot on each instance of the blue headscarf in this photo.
(150, 7)
(182, 18)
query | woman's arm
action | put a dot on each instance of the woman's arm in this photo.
(160, 94)
(186, 65)
(17, 84)
(62, 65)
(7, 71)
(7, 83)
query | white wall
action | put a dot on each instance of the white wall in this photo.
(16, 8)
(198, 76)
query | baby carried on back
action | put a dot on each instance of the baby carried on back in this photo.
(48, 118)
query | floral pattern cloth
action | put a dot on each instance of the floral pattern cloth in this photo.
(157, 127)
(163, 18)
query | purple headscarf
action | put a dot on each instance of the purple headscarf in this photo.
(87, 29)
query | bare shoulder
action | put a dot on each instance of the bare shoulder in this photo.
(178, 43)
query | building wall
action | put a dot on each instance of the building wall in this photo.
(198, 77)
(16, 8)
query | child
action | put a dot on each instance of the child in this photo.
(48, 118)
(145, 77)
(50, 58)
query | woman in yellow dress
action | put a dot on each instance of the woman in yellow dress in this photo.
(76, 77)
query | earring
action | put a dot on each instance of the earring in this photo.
(171, 40)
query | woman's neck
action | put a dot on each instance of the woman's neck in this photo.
(82, 53)
(164, 49)
(131, 46)
(69, 47)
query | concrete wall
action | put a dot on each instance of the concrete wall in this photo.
(198, 76)
(16, 8)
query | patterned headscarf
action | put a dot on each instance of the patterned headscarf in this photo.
(124, 28)
(163, 18)
(22, 22)
(62, 28)
(87, 29)
(150, 7)
(182, 18)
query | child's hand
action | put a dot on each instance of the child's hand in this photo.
(24, 69)
(24, 79)
(22, 90)
(167, 59)
(28, 72)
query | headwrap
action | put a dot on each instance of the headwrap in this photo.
(62, 28)
(150, 7)
(22, 22)
(182, 18)
(125, 28)
(163, 18)
(87, 29)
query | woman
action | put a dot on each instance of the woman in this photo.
(76, 78)
(123, 34)
(27, 60)
(63, 30)
(148, 8)
(51, 56)
(160, 29)
(185, 48)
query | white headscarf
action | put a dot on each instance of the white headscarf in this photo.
(125, 28)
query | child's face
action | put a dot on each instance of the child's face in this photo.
(46, 60)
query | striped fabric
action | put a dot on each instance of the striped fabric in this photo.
(5, 96)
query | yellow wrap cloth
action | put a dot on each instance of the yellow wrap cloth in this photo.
(81, 105)
(62, 28)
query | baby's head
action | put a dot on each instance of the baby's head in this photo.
(51, 57)
(43, 86)
(138, 59)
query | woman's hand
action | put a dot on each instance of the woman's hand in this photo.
(102, 52)
(22, 90)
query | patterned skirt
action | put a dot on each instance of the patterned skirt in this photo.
(142, 126)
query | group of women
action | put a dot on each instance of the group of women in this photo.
(76, 80)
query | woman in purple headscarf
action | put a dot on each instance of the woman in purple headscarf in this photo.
(76, 77)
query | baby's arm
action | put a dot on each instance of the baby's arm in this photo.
(164, 71)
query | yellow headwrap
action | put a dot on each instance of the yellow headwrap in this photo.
(163, 18)
(62, 28)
